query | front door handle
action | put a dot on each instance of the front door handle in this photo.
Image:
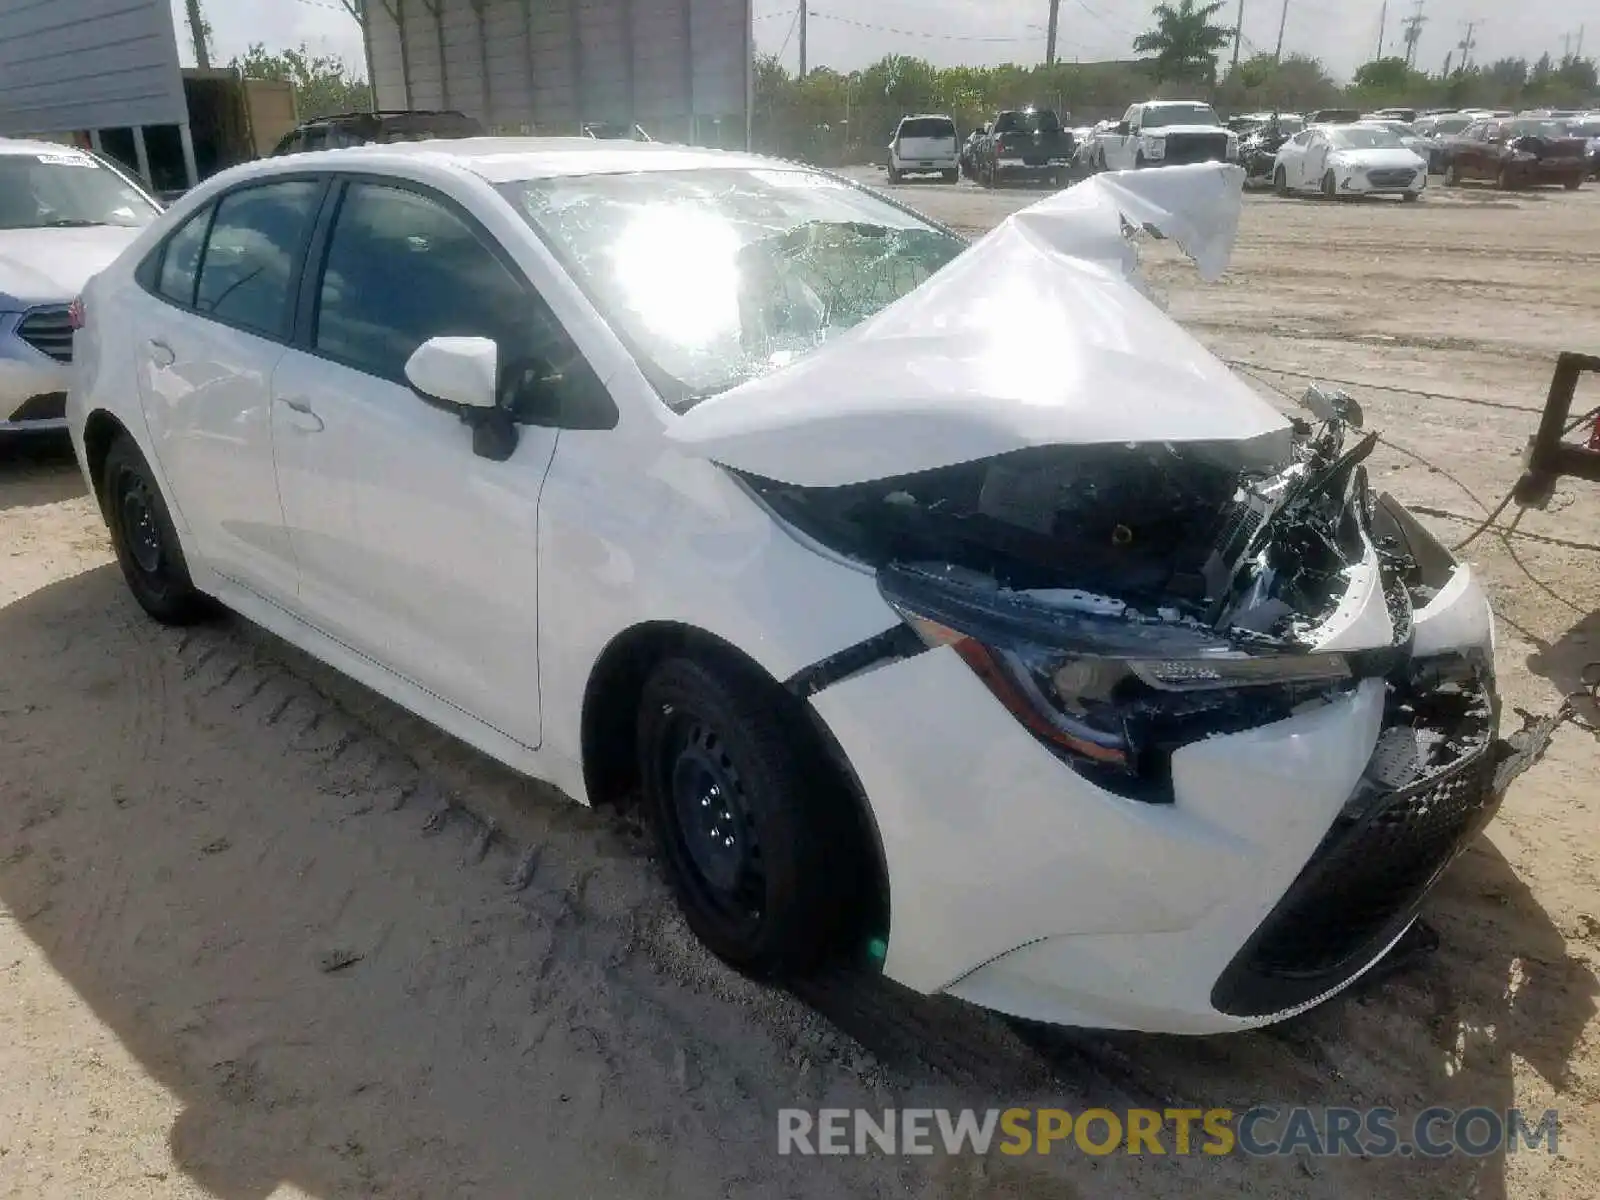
(161, 353)
(303, 417)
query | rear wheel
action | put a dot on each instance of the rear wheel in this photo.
(1574, 183)
(1506, 180)
(1411, 197)
(758, 845)
(1280, 182)
(144, 538)
(894, 175)
(1452, 174)
(1330, 187)
(951, 176)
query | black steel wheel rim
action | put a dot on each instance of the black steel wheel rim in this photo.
(139, 528)
(713, 825)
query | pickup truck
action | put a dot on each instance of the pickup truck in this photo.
(1162, 133)
(1024, 143)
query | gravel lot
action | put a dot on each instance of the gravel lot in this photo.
(262, 934)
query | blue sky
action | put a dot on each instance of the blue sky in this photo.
(845, 35)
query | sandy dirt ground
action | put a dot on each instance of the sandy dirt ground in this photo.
(262, 934)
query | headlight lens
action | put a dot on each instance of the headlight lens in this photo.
(1107, 701)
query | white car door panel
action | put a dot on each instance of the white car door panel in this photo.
(413, 550)
(206, 355)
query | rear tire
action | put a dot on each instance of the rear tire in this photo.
(894, 175)
(143, 536)
(951, 176)
(1330, 187)
(1411, 197)
(1452, 174)
(1506, 180)
(1280, 182)
(758, 843)
(1574, 183)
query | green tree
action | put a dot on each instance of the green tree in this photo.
(323, 84)
(1185, 41)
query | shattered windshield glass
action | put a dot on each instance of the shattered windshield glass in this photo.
(719, 276)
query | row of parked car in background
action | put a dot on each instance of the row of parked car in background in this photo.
(1330, 152)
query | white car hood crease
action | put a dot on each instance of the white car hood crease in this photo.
(50, 266)
(1038, 334)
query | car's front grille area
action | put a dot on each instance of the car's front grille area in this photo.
(47, 406)
(1426, 792)
(1392, 177)
(49, 331)
(1195, 148)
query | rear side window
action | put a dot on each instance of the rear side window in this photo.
(928, 127)
(403, 267)
(180, 265)
(250, 255)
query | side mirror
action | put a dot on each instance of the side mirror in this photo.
(1122, 129)
(461, 375)
(455, 372)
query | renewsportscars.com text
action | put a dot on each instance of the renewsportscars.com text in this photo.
(1261, 1131)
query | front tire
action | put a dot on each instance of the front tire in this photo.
(756, 842)
(1452, 174)
(1330, 187)
(951, 176)
(1280, 182)
(894, 175)
(1506, 180)
(145, 540)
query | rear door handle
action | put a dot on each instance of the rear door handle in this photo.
(161, 353)
(305, 417)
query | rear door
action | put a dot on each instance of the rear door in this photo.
(208, 339)
(1472, 151)
(926, 141)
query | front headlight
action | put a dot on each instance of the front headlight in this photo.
(1110, 697)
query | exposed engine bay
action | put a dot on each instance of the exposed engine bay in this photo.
(1127, 600)
(1202, 535)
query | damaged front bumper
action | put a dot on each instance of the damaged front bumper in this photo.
(1287, 860)
(1189, 818)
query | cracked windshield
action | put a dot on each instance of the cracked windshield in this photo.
(721, 276)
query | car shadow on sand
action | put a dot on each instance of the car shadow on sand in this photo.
(298, 931)
(36, 470)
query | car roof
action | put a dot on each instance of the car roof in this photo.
(34, 146)
(504, 159)
(927, 117)
(1166, 103)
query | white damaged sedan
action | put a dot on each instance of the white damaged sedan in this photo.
(948, 608)
(1349, 160)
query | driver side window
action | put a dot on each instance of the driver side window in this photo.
(403, 267)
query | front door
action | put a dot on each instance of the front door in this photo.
(413, 550)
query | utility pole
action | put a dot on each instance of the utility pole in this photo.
(1566, 47)
(1050, 38)
(1579, 52)
(1283, 22)
(802, 74)
(197, 31)
(1467, 43)
(1383, 25)
(1413, 27)
(1238, 32)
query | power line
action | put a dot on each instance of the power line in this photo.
(917, 33)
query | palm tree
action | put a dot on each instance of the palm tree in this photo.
(1185, 42)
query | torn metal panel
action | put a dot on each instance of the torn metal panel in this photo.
(1036, 335)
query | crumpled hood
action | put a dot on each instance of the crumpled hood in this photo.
(50, 266)
(1037, 335)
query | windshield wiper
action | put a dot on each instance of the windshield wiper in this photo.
(71, 223)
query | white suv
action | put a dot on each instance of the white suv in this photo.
(64, 215)
(1103, 696)
(925, 145)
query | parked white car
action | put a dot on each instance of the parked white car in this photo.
(1349, 160)
(1040, 662)
(1161, 133)
(925, 145)
(64, 215)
